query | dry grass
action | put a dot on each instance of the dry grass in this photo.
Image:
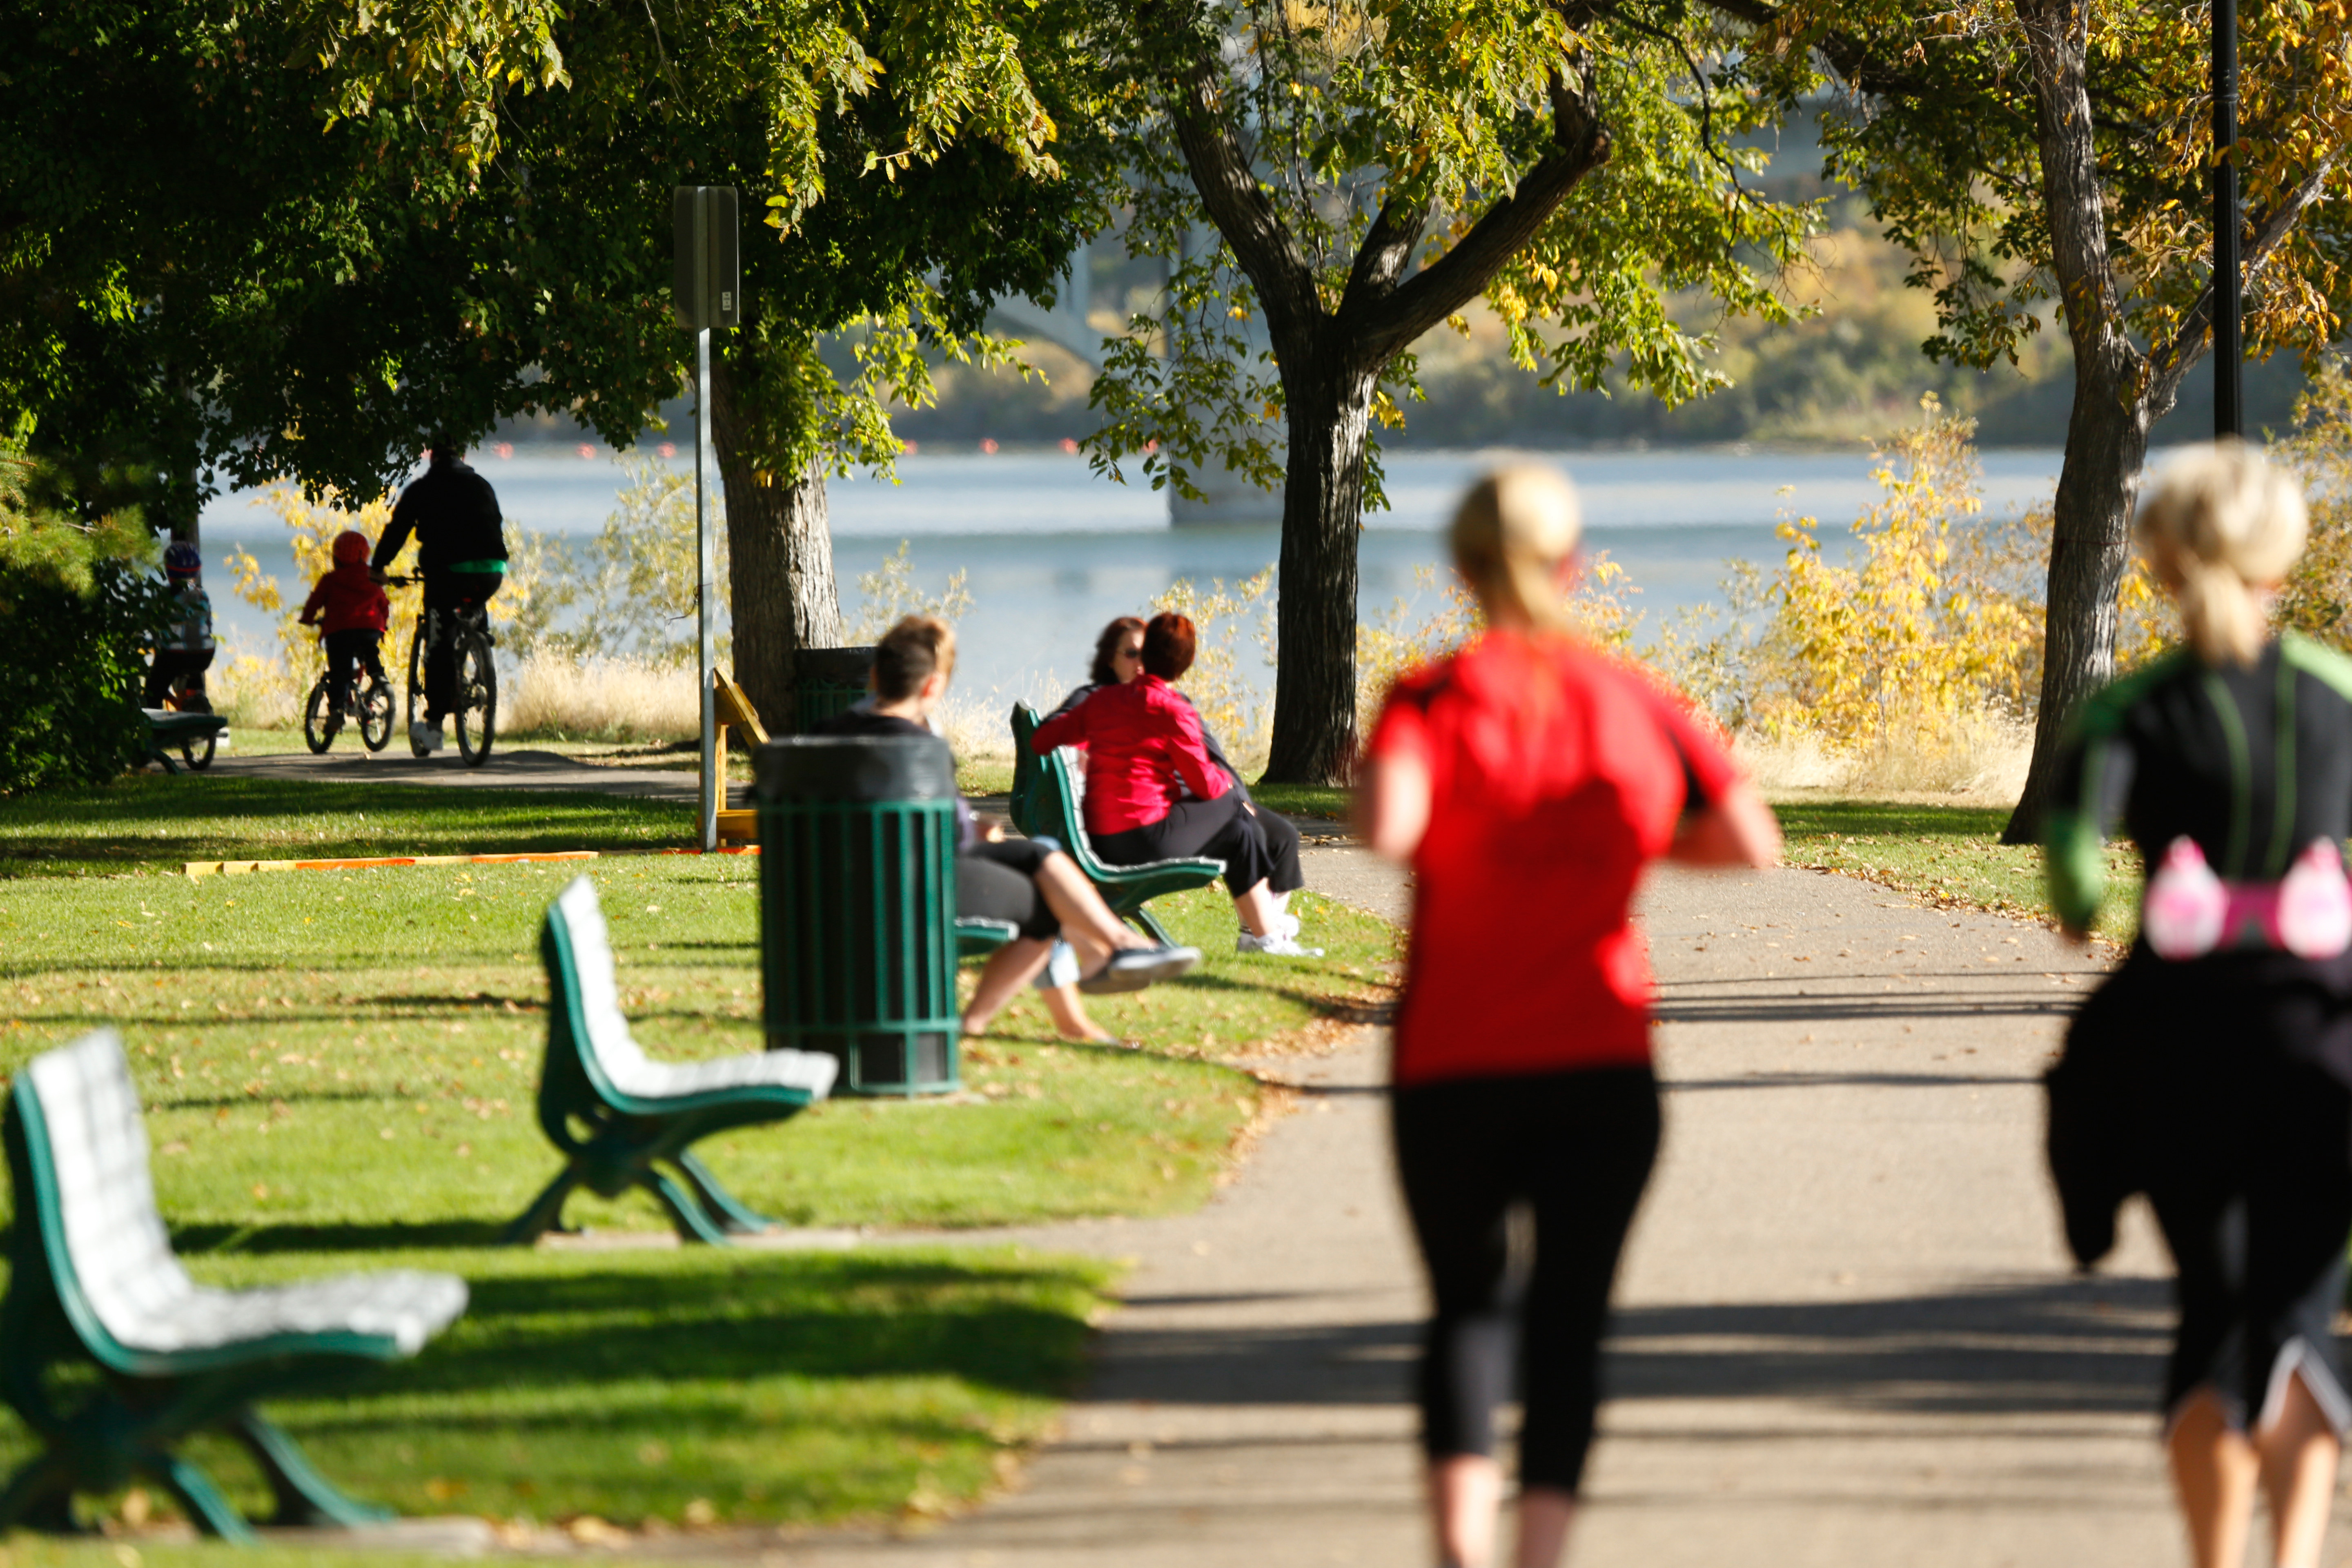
(602, 700)
(1981, 758)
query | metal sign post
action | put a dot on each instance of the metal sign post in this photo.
(706, 288)
(713, 787)
(2229, 342)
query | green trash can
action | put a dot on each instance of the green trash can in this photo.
(830, 681)
(857, 898)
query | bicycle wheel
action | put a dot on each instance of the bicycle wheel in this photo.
(375, 715)
(199, 755)
(319, 720)
(416, 688)
(477, 700)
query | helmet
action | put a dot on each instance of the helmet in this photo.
(180, 559)
(351, 548)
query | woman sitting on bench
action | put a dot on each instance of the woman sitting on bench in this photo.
(1119, 658)
(1154, 792)
(1025, 882)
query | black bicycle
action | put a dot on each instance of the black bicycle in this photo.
(475, 710)
(367, 700)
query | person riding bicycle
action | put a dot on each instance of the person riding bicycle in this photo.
(183, 646)
(461, 552)
(350, 613)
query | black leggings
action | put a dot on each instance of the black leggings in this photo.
(1576, 1147)
(999, 882)
(1220, 829)
(452, 593)
(348, 652)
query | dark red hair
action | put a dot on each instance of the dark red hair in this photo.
(1169, 642)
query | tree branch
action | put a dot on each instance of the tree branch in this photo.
(1386, 252)
(1268, 252)
(1383, 326)
(2195, 338)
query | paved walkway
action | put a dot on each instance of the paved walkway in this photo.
(1848, 1333)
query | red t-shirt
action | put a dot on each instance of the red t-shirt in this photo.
(1556, 773)
(1140, 738)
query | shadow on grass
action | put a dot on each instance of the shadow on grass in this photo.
(222, 1240)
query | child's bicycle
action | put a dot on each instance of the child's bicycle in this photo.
(475, 714)
(369, 700)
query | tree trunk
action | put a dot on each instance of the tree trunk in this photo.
(1329, 413)
(2090, 547)
(2107, 431)
(780, 586)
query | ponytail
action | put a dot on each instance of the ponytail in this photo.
(2218, 523)
(1512, 532)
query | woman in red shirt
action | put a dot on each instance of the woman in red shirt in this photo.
(1154, 792)
(1530, 772)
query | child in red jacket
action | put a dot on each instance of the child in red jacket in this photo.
(350, 613)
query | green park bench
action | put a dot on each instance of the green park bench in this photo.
(1054, 800)
(194, 735)
(94, 1287)
(617, 1116)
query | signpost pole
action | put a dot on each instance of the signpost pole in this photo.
(2228, 345)
(713, 787)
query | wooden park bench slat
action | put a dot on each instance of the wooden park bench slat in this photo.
(618, 1116)
(93, 1280)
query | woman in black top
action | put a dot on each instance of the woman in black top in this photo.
(1030, 885)
(2219, 1081)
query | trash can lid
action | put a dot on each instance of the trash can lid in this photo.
(854, 768)
(837, 665)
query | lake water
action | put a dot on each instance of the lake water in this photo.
(1052, 552)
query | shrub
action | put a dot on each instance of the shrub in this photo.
(76, 607)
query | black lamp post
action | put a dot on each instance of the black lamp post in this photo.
(2229, 342)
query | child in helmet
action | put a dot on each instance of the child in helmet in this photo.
(350, 613)
(183, 645)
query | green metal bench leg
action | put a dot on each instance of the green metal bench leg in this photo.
(198, 1497)
(693, 1221)
(546, 1210)
(39, 1496)
(1151, 923)
(303, 1495)
(733, 1215)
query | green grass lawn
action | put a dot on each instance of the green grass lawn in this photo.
(356, 1052)
(1946, 854)
(695, 1386)
(339, 1068)
(153, 824)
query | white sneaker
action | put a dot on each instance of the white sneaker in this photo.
(1279, 945)
(1285, 924)
(424, 739)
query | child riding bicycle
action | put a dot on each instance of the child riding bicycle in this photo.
(350, 613)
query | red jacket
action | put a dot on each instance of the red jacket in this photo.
(347, 600)
(1140, 738)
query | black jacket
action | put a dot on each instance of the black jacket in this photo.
(453, 513)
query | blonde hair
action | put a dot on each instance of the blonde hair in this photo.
(2217, 522)
(1510, 535)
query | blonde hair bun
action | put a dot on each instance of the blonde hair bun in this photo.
(1510, 535)
(2220, 521)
